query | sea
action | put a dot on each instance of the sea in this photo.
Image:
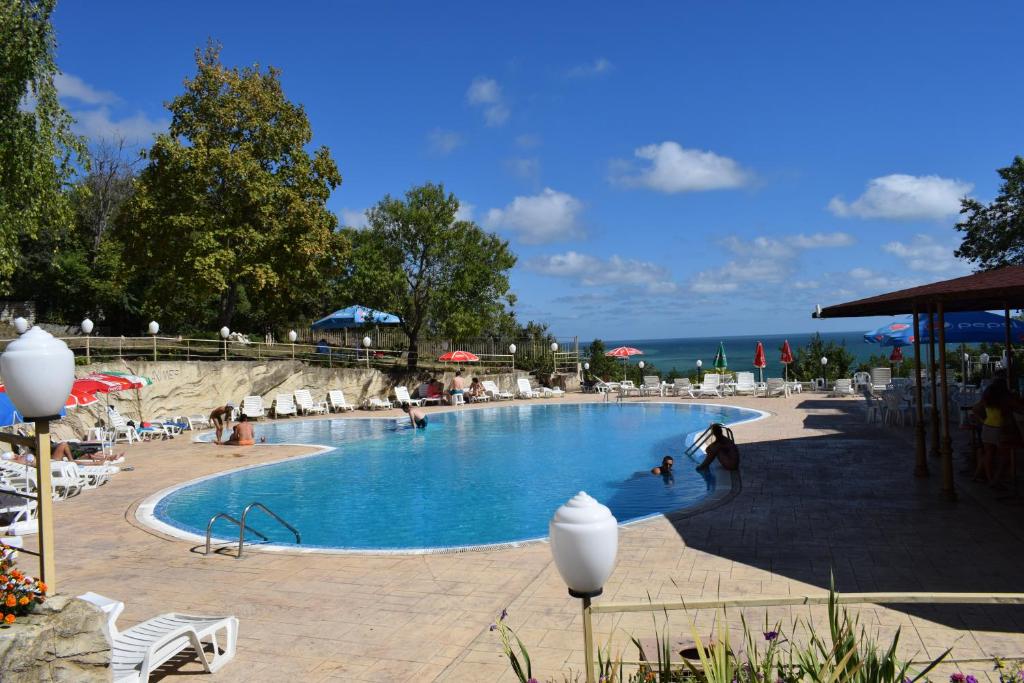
(683, 353)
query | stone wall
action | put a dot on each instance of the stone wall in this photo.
(196, 387)
(61, 641)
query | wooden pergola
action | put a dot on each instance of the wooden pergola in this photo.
(999, 289)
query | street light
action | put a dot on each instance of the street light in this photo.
(366, 345)
(699, 364)
(38, 372)
(554, 357)
(584, 544)
(87, 330)
(154, 327)
(224, 334)
(512, 352)
(824, 378)
(292, 336)
(20, 325)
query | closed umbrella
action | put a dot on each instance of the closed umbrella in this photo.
(760, 362)
(896, 357)
(624, 352)
(721, 362)
(786, 357)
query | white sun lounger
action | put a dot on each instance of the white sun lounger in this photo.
(651, 385)
(336, 401)
(121, 428)
(402, 396)
(375, 403)
(710, 386)
(306, 405)
(525, 390)
(142, 649)
(497, 394)
(682, 387)
(17, 515)
(745, 383)
(284, 404)
(252, 407)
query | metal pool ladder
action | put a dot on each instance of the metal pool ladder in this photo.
(242, 526)
(704, 437)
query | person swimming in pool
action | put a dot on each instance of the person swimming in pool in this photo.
(416, 416)
(667, 463)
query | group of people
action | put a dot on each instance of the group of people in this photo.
(994, 416)
(241, 434)
(435, 388)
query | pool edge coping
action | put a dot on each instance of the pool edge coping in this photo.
(145, 511)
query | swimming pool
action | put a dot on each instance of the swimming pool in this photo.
(473, 477)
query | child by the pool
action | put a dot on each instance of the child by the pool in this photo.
(416, 415)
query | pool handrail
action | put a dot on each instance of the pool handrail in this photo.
(705, 436)
(242, 526)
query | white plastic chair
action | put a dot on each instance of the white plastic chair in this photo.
(402, 396)
(497, 394)
(306, 405)
(524, 390)
(458, 399)
(336, 401)
(143, 648)
(710, 386)
(252, 407)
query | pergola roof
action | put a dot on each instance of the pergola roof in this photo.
(989, 290)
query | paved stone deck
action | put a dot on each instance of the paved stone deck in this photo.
(821, 492)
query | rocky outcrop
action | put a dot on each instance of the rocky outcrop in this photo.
(196, 387)
(61, 641)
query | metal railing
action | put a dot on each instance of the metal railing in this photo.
(706, 436)
(242, 526)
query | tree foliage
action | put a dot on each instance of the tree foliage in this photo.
(806, 363)
(38, 152)
(439, 275)
(229, 217)
(994, 233)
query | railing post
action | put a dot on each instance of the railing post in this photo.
(44, 509)
(588, 640)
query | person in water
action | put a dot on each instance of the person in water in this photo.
(416, 415)
(724, 449)
(667, 463)
(242, 434)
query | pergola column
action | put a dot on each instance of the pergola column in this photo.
(920, 457)
(947, 440)
(935, 449)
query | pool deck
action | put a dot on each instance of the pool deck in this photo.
(821, 492)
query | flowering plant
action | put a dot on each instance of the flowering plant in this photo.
(19, 593)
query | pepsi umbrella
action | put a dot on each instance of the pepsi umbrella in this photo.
(9, 415)
(355, 316)
(968, 327)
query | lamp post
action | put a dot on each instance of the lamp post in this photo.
(38, 371)
(984, 358)
(87, 330)
(512, 352)
(366, 345)
(699, 364)
(154, 327)
(292, 336)
(824, 374)
(224, 334)
(554, 357)
(584, 544)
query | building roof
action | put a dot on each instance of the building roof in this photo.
(985, 291)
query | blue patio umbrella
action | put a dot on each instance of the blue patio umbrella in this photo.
(968, 327)
(9, 415)
(355, 316)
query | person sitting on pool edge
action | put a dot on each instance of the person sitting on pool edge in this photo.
(242, 434)
(667, 463)
(418, 418)
(723, 448)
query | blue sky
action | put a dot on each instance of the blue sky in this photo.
(661, 169)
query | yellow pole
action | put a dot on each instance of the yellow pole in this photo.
(588, 641)
(44, 511)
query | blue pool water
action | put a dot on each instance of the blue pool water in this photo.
(472, 477)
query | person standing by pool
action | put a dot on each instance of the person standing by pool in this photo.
(724, 449)
(220, 418)
(458, 385)
(417, 416)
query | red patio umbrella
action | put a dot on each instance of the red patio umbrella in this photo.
(896, 357)
(458, 357)
(760, 362)
(624, 352)
(786, 357)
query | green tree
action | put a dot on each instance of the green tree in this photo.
(440, 276)
(994, 233)
(229, 216)
(38, 152)
(807, 360)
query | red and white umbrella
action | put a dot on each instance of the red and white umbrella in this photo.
(760, 362)
(897, 355)
(459, 357)
(786, 357)
(624, 352)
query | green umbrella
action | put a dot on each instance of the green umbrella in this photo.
(721, 362)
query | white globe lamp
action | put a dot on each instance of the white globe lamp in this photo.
(366, 345)
(641, 365)
(554, 347)
(584, 544)
(87, 326)
(292, 336)
(512, 348)
(224, 334)
(367, 342)
(38, 372)
(586, 366)
(20, 325)
(154, 327)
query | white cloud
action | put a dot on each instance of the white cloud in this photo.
(74, 88)
(805, 284)
(528, 140)
(924, 253)
(592, 271)
(443, 142)
(822, 239)
(465, 212)
(546, 217)
(905, 197)
(598, 67)
(878, 282)
(527, 169)
(486, 94)
(98, 123)
(354, 218)
(673, 168)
